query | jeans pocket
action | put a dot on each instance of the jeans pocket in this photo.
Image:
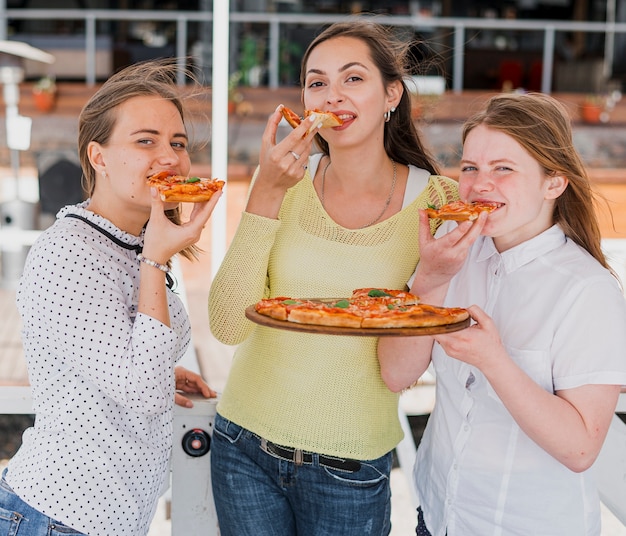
(226, 429)
(59, 528)
(371, 473)
(9, 522)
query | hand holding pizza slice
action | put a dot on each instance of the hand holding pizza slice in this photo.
(180, 189)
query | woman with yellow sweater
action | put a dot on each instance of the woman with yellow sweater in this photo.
(306, 426)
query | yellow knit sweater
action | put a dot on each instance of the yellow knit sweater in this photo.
(320, 393)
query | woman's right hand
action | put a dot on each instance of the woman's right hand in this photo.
(441, 258)
(163, 238)
(281, 165)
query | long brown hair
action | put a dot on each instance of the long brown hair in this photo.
(98, 116)
(391, 56)
(542, 126)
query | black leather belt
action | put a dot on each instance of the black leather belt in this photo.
(300, 457)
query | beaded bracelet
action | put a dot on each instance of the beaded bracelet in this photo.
(154, 264)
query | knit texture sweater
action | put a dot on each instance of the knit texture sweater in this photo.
(320, 393)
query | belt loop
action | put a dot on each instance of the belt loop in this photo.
(264, 444)
(297, 456)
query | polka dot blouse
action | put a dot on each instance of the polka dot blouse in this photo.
(102, 378)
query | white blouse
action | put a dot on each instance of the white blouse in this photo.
(562, 318)
(102, 379)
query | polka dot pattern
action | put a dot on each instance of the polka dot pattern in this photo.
(102, 377)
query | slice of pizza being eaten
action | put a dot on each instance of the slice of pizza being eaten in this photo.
(461, 211)
(180, 189)
(327, 119)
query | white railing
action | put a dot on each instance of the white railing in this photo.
(457, 27)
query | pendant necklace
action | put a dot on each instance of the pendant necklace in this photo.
(393, 187)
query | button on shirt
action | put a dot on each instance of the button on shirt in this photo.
(561, 317)
(102, 381)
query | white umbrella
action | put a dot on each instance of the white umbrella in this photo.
(24, 50)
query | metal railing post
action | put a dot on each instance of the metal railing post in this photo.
(274, 59)
(4, 23)
(181, 48)
(459, 57)
(90, 49)
(548, 60)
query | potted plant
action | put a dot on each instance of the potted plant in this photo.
(45, 93)
(234, 95)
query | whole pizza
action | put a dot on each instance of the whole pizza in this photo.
(367, 308)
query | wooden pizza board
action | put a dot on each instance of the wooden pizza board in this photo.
(267, 321)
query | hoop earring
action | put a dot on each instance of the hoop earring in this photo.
(387, 114)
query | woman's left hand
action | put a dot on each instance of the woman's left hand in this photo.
(478, 345)
(190, 382)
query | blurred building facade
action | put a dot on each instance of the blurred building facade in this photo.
(489, 53)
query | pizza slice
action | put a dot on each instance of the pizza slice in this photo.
(327, 119)
(178, 188)
(410, 316)
(339, 313)
(278, 307)
(461, 211)
(384, 295)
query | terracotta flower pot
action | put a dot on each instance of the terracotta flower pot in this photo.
(44, 100)
(592, 113)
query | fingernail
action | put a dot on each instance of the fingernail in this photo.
(312, 117)
(279, 107)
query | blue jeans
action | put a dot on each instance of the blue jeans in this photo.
(259, 494)
(19, 519)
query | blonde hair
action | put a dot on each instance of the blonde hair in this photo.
(98, 116)
(541, 125)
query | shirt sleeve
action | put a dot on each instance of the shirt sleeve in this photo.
(590, 341)
(77, 305)
(242, 279)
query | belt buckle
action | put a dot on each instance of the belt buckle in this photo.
(297, 454)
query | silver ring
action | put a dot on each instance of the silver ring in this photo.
(295, 155)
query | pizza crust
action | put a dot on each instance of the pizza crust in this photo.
(418, 316)
(324, 317)
(186, 198)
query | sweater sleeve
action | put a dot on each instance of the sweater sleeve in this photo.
(242, 278)
(443, 190)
